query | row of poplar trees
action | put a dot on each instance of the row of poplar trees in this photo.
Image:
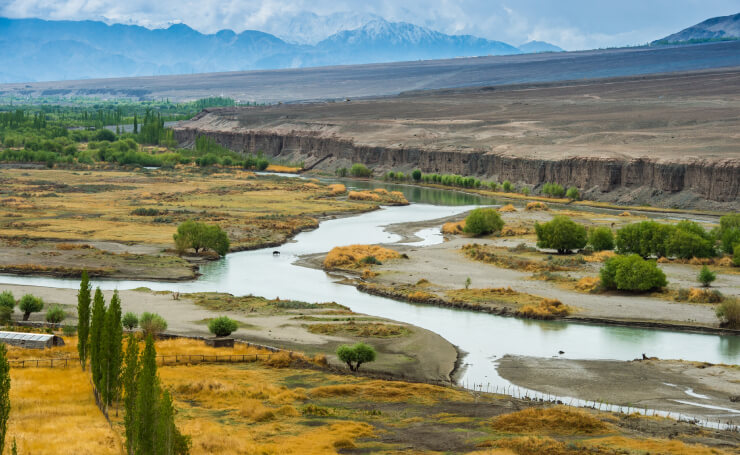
(149, 417)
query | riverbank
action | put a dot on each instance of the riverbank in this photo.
(417, 354)
(689, 388)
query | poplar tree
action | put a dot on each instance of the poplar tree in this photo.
(83, 318)
(147, 399)
(96, 332)
(4, 395)
(130, 378)
(110, 354)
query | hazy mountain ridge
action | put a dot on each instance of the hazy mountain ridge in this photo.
(37, 50)
(716, 28)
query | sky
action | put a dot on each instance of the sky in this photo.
(570, 24)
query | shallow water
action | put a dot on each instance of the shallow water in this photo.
(484, 337)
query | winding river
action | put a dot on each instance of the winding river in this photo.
(483, 337)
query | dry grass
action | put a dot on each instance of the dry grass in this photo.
(53, 411)
(350, 256)
(284, 169)
(588, 284)
(507, 208)
(536, 205)
(559, 420)
(453, 227)
(390, 391)
(704, 296)
(599, 256)
(514, 231)
(651, 446)
(625, 213)
(546, 309)
(724, 261)
(335, 189)
(379, 195)
(367, 329)
(420, 296)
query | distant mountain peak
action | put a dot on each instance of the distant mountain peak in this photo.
(713, 29)
(534, 46)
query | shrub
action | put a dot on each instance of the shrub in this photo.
(729, 313)
(30, 304)
(69, 330)
(55, 314)
(601, 239)
(201, 236)
(573, 193)
(356, 355)
(507, 186)
(130, 321)
(647, 238)
(553, 190)
(631, 273)
(536, 205)
(370, 260)
(416, 175)
(222, 326)
(152, 324)
(736, 255)
(561, 233)
(105, 135)
(526, 191)
(729, 232)
(6, 315)
(706, 276)
(360, 170)
(483, 221)
(341, 172)
(7, 300)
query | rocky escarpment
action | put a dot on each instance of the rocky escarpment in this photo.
(603, 178)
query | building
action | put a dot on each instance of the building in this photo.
(31, 340)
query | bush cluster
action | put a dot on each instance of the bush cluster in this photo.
(360, 170)
(601, 238)
(631, 273)
(201, 236)
(561, 234)
(483, 221)
(685, 240)
(553, 190)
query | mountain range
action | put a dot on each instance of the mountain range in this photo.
(40, 50)
(714, 29)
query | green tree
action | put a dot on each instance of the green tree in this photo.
(152, 324)
(4, 394)
(130, 321)
(147, 398)
(706, 276)
(360, 170)
(736, 255)
(729, 313)
(632, 273)
(112, 337)
(356, 355)
(7, 303)
(686, 245)
(55, 314)
(483, 221)
(507, 186)
(573, 193)
(30, 304)
(729, 232)
(198, 236)
(222, 326)
(416, 175)
(83, 318)
(561, 234)
(647, 238)
(97, 321)
(601, 238)
(129, 380)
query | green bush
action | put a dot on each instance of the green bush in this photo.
(30, 304)
(370, 260)
(525, 190)
(201, 236)
(483, 221)
(69, 330)
(601, 238)
(631, 273)
(222, 326)
(55, 314)
(689, 240)
(6, 315)
(130, 321)
(706, 276)
(553, 190)
(647, 238)
(561, 234)
(341, 172)
(416, 175)
(573, 193)
(736, 255)
(7, 299)
(728, 313)
(356, 355)
(152, 324)
(729, 232)
(507, 186)
(360, 170)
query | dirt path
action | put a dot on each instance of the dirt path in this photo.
(687, 388)
(421, 355)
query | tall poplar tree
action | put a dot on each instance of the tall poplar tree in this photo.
(110, 355)
(147, 400)
(83, 318)
(130, 379)
(96, 331)
(4, 395)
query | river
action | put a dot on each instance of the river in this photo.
(483, 337)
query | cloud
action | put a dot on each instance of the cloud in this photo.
(571, 24)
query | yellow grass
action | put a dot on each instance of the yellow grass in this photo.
(365, 329)
(350, 256)
(652, 446)
(389, 391)
(336, 189)
(513, 231)
(599, 256)
(588, 283)
(536, 205)
(380, 196)
(559, 420)
(453, 227)
(625, 213)
(285, 169)
(547, 309)
(507, 208)
(53, 411)
(703, 296)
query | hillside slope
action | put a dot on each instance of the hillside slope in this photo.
(716, 28)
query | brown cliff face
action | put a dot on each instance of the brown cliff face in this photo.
(712, 180)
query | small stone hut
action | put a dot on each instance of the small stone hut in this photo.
(31, 340)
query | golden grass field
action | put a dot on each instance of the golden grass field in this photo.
(286, 408)
(351, 256)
